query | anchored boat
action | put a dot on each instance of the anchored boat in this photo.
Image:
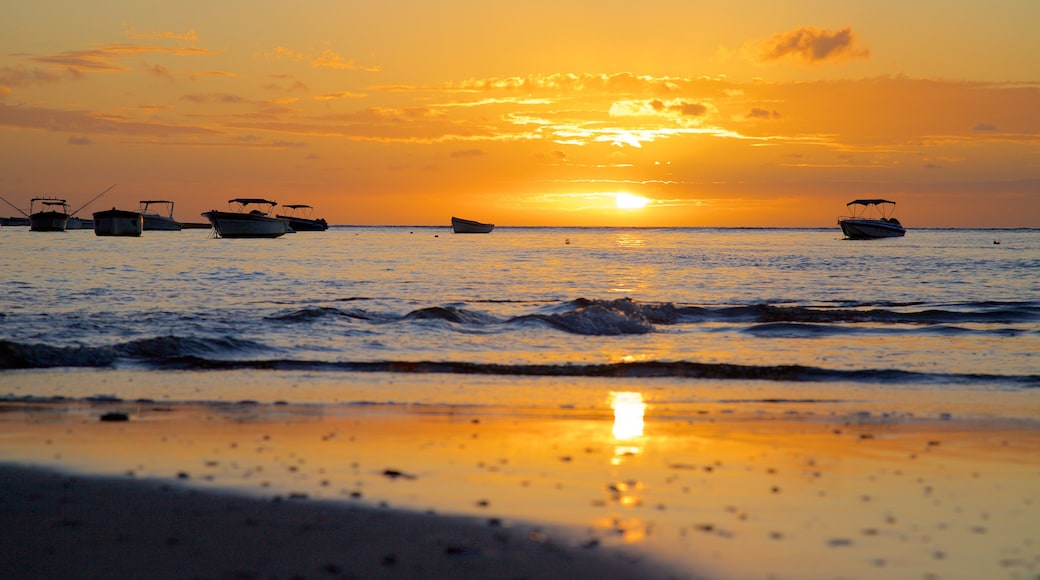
(461, 226)
(871, 219)
(48, 214)
(243, 222)
(301, 218)
(154, 220)
(118, 222)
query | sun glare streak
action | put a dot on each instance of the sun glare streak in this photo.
(630, 201)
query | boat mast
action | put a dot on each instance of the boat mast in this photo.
(16, 207)
(95, 198)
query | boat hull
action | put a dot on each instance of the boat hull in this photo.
(161, 223)
(463, 226)
(243, 225)
(76, 223)
(117, 222)
(306, 225)
(860, 229)
(48, 221)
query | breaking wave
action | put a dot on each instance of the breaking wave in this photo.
(625, 316)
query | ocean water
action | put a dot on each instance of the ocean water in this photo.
(939, 307)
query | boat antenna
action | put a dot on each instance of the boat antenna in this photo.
(16, 207)
(95, 198)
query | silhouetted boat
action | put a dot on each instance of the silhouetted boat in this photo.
(461, 226)
(48, 214)
(301, 219)
(860, 226)
(78, 223)
(118, 222)
(240, 223)
(154, 220)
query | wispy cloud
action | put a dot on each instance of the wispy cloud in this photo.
(91, 123)
(327, 58)
(189, 37)
(21, 76)
(812, 45)
(218, 98)
(765, 114)
(108, 57)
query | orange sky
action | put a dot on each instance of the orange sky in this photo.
(742, 113)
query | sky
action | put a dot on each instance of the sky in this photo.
(533, 113)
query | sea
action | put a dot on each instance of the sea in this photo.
(937, 309)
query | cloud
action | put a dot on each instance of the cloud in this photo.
(78, 140)
(757, 113)
(219, 98)
(20, 76)
(985, 127)
(342, 95)
(693, 109)
(159, 71)
(657, 107)
(327, 58)
(88, 122)
(812, 45)
(105, 57)
(570, 82)
(330, 59)
(467, 153)
(190, 36)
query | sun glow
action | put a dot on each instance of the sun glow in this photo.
(629, 201)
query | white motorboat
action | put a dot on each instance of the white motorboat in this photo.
(301, 218)
(461, 226)
(154, 220)
(118, 222)
(48, 214)
(243, 222)
(870, 219)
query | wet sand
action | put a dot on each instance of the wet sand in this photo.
(769, 488)
(64, 526)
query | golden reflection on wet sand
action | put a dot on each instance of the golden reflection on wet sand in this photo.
(855, 494)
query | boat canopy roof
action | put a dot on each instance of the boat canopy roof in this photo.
(147, 201)
(869, 202)
(247, 200)
(297, 206)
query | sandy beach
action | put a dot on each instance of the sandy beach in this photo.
(767, 488)
(65, 526)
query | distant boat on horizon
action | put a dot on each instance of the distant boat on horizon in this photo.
(464, 226)
(14, 221)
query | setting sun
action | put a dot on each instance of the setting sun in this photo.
(629, 201)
